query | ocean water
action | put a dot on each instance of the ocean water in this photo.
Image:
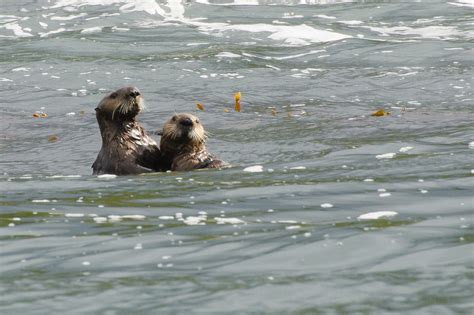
(326, 210)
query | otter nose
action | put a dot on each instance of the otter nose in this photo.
(134, 93)
(186, 122)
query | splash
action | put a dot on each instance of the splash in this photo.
(432, 32)
(173, 12)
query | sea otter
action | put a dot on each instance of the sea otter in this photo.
(183, 145)
(126, 148)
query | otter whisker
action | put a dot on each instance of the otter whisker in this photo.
(196, 137)
(141, 104)
(113, 113)
(176, 132)
(119, 108)
(172, 132)
(125, 107)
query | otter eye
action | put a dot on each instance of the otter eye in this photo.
(113, 95)
(174, 118)
(197, 121)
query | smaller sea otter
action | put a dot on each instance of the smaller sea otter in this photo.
(126, 148)
(183, 145)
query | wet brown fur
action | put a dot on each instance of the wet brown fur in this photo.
(126, 148)
(183, 145)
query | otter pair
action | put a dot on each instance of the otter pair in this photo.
(127, 149)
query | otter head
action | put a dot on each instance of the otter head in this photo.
(121, 105)
(184, 129)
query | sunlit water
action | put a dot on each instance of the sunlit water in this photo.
(327, 209)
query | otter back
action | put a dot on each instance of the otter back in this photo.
(126, 150)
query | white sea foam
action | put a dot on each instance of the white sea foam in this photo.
(173, 11)
(99, 219)
(292, 16)
(196, 44)
(148, 6)
(377, 215)
(311, 52)
(20, 69)
(435, 32)
(91, 30)
(74, 215)
(235, 2)
(386, 156)
(64, 176)
(17, 30)
(405, 149)
(298, 168)
(106, 176)
(254, 169)
(273, 67)
(351, 22)
(226, 54)
(8, 18)
(41, 200)
(192, 220)
(463, 3)
(114, 218)
(287, 221)
(323, 16)
(166, 217)
(67, 18)
(138, 246)
(120, 29)
(228, 220)
(59, 30)
(292, 35)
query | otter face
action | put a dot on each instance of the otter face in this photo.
(184, 127)
(121, 104)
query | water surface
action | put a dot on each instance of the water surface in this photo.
(327, 209)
